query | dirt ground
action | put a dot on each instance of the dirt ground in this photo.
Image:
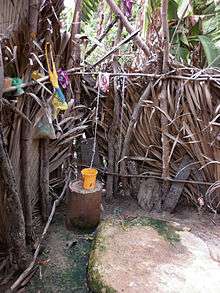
(64, 269)
(205, 225)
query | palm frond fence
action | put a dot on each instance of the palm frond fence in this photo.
(155, 127)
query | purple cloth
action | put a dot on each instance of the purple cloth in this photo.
(128, 7)
(63, 78)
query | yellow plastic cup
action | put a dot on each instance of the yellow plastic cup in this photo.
(89, 178)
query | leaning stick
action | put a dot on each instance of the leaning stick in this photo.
(30, 267)
(108, 28)
(140, 42)
(114, 49)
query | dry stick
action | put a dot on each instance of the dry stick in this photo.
(120, 25)
(108, 28)
(75, 29)
(1, 74)
(35, 82)
(135, 115)
(73, 71)
(30, 267)
(74, 51)
(165, 28)
(6, 103)
(114, 49)
(139, 41)
(111, 182)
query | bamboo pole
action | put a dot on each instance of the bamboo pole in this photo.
(1, 74)
(165, 28)
(163, 94)
(128, 26)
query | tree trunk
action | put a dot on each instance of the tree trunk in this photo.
(25, 172)
(16, 238)
(13, 208)
(44, 179)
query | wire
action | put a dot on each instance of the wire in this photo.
(96, 121)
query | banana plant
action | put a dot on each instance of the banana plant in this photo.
(88, 9)
(194, 29)
(198, 25)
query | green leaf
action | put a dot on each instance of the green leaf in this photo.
(88, 8)
(183, 39)
(184, 8)
(212, 52)
(172, 10)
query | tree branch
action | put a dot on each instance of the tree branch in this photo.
(128, 26)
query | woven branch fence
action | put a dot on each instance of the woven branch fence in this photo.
(35, 167)
(162, 165)
(130, 137)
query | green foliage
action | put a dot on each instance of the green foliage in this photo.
(212, 52)
(88, 9)
(199, 25)
(184, 8)
(149, 7)
(198, 28)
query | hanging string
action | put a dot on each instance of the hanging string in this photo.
(122, 113)
(96, 122)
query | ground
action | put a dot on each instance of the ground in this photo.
(64, 261)
(66, 270)
(145, 255)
